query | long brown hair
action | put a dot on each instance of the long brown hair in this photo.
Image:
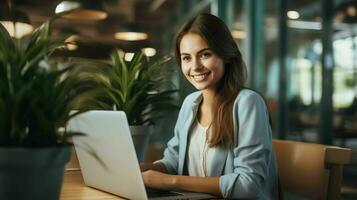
(219, 39)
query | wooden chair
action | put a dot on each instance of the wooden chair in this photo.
(311, 170)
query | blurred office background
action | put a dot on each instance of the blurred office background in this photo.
(300, 54)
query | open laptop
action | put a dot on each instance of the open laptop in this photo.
(117, 170)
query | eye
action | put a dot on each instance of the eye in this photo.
(205, 55)
(185, 58)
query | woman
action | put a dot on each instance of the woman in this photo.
(223, 140)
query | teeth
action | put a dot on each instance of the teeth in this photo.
(199, 77)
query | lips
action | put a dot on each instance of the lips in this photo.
(200, 77)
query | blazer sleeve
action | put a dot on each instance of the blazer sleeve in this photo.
(252, 153)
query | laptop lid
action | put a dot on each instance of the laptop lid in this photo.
(116, 170)
(108, 135)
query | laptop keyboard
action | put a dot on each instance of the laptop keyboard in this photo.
(160, 193)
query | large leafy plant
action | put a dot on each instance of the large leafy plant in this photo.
(140, 87)
(36, 92)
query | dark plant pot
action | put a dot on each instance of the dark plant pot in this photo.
(141, 138)
(32, 173)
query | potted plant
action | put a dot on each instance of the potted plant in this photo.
(141, 88)
(36, 97)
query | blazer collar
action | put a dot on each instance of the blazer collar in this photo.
(185, 131)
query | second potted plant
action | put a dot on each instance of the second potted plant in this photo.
(141, 88)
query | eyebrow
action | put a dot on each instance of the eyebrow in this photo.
(200, 51)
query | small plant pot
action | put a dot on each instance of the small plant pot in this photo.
(32, 173)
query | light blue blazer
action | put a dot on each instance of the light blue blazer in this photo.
(248, 169)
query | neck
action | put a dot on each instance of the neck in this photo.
(208, 97)
(205, 114)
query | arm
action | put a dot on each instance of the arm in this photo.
(155, 177)
(253, 153)
(209, 185)
(251, 159)
(158, 166)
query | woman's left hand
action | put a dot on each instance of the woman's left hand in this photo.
(158, 180)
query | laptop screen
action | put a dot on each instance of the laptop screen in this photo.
(107, 137)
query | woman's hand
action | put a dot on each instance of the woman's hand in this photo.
(159, 180)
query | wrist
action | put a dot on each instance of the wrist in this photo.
(174, 181)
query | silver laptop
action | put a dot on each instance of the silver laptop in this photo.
(117, 170)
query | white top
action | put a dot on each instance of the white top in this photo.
(199, 154)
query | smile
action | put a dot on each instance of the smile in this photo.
(200, 77)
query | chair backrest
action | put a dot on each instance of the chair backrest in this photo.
(311, 170)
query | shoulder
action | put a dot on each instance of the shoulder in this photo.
(248, 97)
(192, 99)
(190, 103)
(248, 101)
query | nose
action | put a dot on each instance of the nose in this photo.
(197, 65)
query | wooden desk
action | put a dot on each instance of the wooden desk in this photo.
(73, 188)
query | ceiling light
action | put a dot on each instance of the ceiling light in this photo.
(71, 47)
(72, 37)
(308, 25)
(346, 12)
(351, 11)
(121, 53)
(130, 36)
(82, 9)
(65, 6)
(292, 14)
(130, 32)
(148, 51)
(71, 42)
(16, 23)
(128, 56)
(339, 17)
(237, 34)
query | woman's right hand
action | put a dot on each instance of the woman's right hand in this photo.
(159, 180)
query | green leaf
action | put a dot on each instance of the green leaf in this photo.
(37, 93)
(131, 88)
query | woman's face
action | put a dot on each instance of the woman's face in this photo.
(201, 66)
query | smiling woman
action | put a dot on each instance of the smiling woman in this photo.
(223, 139)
